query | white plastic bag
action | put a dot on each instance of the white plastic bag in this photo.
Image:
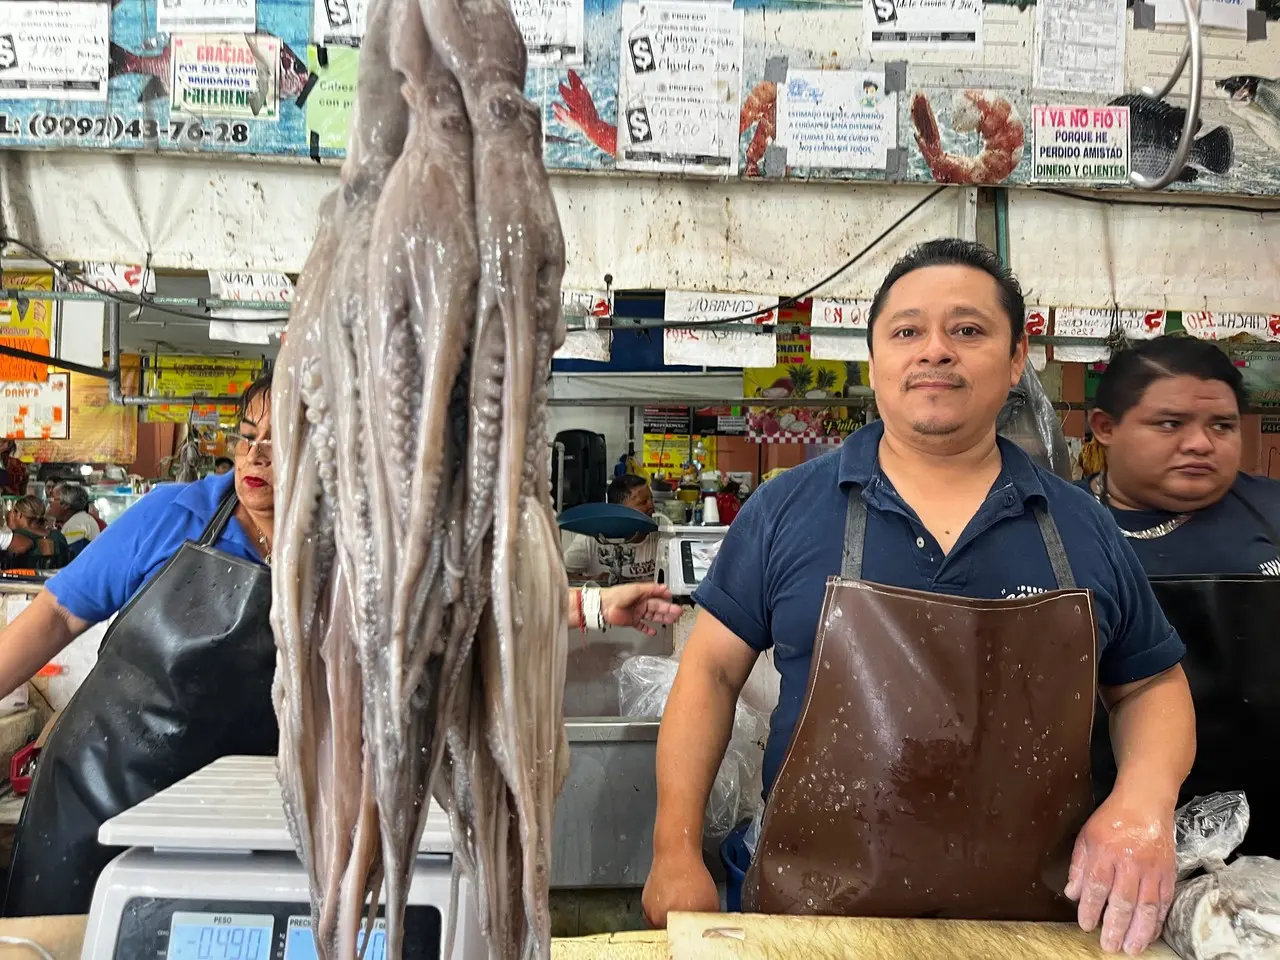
(644, 684)
(1230, 912)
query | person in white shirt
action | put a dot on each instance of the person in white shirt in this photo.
(582, 558)
(69, 509)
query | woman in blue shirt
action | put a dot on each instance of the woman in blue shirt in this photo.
(184, 673)
(1168, 413)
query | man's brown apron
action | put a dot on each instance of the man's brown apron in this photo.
(940, 765)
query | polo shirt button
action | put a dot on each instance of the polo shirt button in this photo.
(920, 542)
(1008, 500)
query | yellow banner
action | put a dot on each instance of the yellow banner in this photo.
(666, 454)
(27, 318)
(174, 375)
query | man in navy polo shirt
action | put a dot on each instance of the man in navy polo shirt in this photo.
(949, 509)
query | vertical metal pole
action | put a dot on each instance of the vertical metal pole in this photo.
(1002, 225)
(967, 213)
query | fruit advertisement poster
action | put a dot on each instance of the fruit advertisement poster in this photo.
(798, 375)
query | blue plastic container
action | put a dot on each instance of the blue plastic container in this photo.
(736, 860)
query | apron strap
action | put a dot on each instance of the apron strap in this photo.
(855, 535)
(1057, 552)
(218, 525)
(855, 539)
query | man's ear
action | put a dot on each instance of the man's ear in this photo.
(1102, 425)
(1019, 360)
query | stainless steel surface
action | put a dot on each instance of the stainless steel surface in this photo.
(604, 818)
(591, 684)
(611, 730)
(559, 477)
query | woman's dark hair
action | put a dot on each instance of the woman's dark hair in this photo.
(1133, 370)
(953, 253)
(620, 488)
(259, 388)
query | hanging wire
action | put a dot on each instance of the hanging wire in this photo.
(127, 299)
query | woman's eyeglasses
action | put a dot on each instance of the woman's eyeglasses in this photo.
(244, 445)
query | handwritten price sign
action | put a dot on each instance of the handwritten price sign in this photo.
(1224, 326)
(840, 315)
(720, 347)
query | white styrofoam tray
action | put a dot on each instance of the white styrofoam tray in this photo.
(231, 805)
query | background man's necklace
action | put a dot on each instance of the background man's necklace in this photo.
(1099, 490)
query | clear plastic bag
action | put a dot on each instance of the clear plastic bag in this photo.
(1208, 829)
(1230, 912)
(643, 686)
(1029, 420)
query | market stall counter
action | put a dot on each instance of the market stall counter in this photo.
(716, 936)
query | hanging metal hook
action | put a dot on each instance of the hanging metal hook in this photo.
(1192, 51)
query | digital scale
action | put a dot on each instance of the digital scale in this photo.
(211, 874)
(689, 554)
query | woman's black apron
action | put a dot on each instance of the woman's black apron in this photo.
(183, 678)
(1229, 623)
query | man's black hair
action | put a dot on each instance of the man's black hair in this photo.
(259, 388)
(620, 488)
(1133, 370)
(227, 460)
(963, 253)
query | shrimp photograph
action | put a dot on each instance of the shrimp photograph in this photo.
(984, 115)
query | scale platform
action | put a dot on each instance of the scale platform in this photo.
(211, 874)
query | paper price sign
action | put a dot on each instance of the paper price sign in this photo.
(1224, 326)
(553, 30)
(1142, 325)
(840, 315)
(35, 411)
(110, 277)
(251, 287)
(1036, 324)
(586, 308)
(890, 25)
(680, 83)
(1099, 324)
(1081, 144)
(722, 346)
(1085, 324)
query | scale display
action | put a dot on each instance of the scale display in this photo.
(200, 928)
(300, 943)
(220, 936)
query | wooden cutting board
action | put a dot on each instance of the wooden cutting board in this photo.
(721, 936)
(61, 936)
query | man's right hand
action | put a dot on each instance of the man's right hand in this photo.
(680, 883)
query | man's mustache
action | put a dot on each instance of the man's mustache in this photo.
(951, 379)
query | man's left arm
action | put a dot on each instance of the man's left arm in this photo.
(1123, 858)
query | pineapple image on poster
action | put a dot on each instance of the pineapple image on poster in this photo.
(797, 375)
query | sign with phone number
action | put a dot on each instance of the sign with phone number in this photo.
(47, 128)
